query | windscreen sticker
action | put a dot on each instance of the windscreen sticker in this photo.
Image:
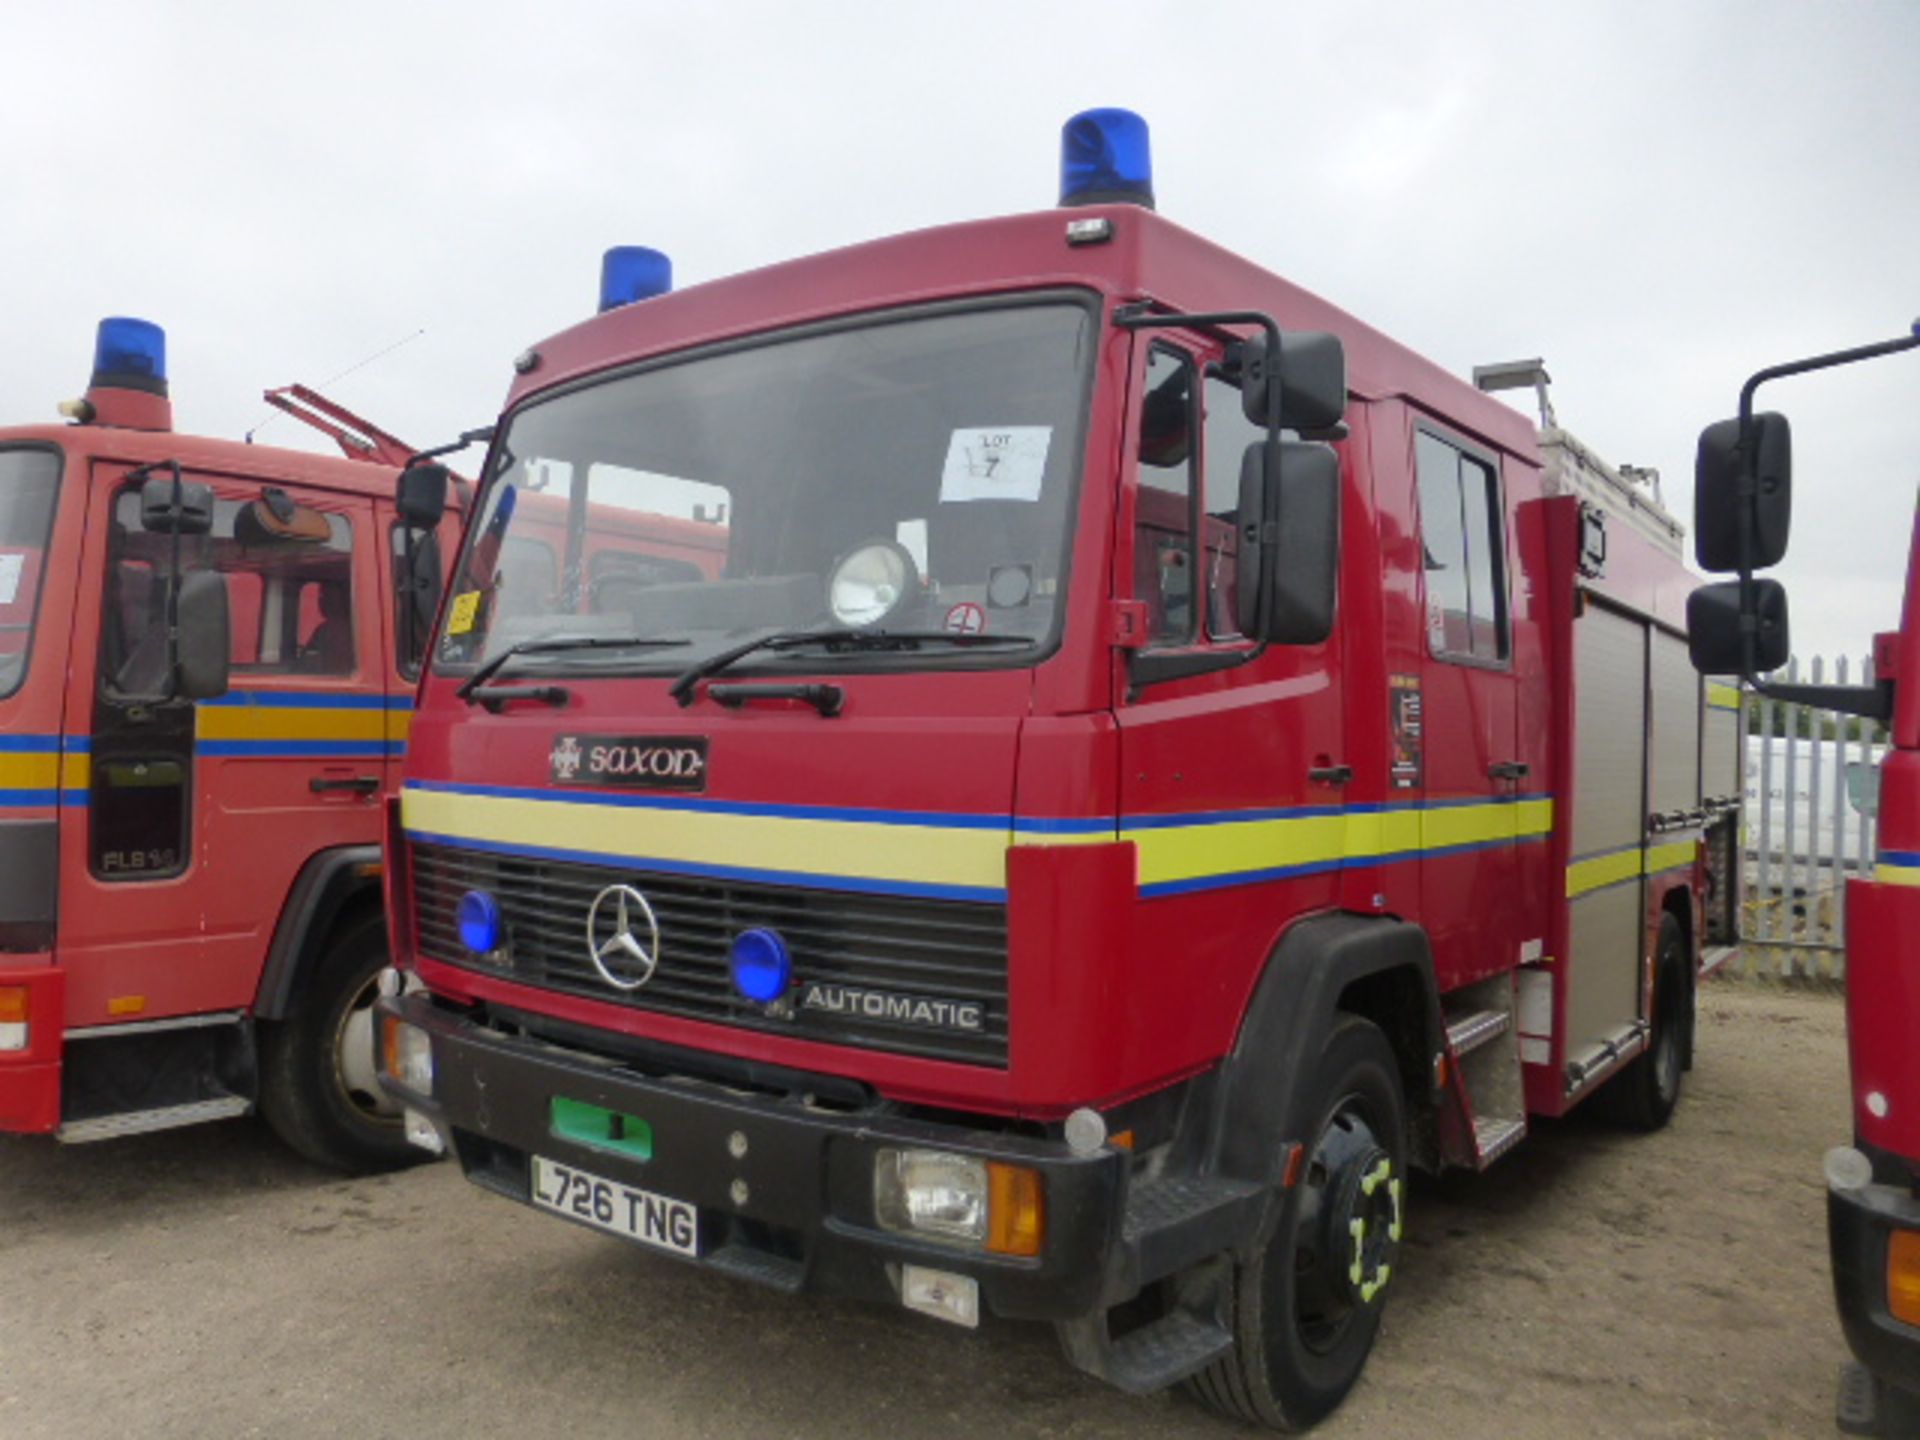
(966, 618)
(460, 615)
(10, 568)
(995, 462)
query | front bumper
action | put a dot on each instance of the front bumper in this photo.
(1859, 1224)
(807, 1222)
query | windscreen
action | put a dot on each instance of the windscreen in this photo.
(903, 475)
(29, 484)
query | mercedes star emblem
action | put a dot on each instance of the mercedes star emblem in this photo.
(634, 943)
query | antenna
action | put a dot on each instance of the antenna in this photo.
(332, 380)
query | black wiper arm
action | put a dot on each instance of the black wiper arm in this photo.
(682, 688)
(540, 644)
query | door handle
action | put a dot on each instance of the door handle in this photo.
(1507, 770)
(357, 784)
(1330, 774)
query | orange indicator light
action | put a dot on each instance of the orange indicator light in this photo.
(1903, 1276)
(1016, 1210)
(126, 1004)
(13, 1004)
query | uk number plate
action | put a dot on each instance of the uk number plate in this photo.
(641, 1215)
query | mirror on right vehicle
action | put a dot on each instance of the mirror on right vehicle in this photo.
(420, 495)
(1714, 637)
(1720, 466)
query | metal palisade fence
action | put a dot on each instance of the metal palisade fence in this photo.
(1808, 820)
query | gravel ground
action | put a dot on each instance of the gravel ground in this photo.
(205, 1283)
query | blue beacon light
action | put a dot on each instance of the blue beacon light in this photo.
(478, 917)
(633, 272)
(130, 354)
(762, 965)
(1104, 159)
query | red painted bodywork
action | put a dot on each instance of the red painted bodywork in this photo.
(1113, 993)
(196, 943)
(1883, 977)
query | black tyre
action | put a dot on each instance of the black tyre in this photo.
(1643, 1095)
(317, 1085)
(1306, 1310)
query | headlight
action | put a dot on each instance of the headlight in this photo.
(960, 1199)
(406, 1055)
(870, 582)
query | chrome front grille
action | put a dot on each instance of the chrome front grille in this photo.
(903, 946)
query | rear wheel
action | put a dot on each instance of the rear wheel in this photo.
(1306, 1309)
(1645, 1094)
(318, 1083)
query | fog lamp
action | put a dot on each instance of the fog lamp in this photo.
(941, 1294)
(422, 1132)
(406, 1054)
(870, 582)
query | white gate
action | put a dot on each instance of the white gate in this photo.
(1808, 817)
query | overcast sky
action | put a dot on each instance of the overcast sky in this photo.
(1659, 198)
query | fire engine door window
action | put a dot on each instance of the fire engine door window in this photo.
(289, 572)
(1228, 434)
(1163, 568)
(1464, 551)
(416, 595)
(29, 481)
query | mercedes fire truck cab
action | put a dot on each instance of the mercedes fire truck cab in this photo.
(207, 652)
(1155, 760)
(1742, 500)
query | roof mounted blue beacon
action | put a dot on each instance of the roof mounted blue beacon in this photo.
(130, 354)
(1104, 160)
(633, 272)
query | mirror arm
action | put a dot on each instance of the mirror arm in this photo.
(1870, 702)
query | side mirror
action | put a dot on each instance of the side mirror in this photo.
(157, 514)
(1718, 471)
(1713, 628)
(1313, 381)
(200, 663)
(1289, 541)
(420, 495)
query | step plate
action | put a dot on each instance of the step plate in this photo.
(1471, 1031)
(1168, 1350)
(141, 1122)
(1494, 1137)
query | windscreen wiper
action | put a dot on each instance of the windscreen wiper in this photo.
(682, 688)
(541, 644)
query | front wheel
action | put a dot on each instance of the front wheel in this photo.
(1306, 1309)
(318, 1085)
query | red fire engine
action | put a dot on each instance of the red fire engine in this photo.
(206, 652)
(1155, 760)
(1741, 497)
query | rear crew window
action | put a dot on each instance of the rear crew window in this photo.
(1463, 544)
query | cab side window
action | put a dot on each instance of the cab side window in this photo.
(417, 583)
(289, 571)
(1163, 567)
(1464, 551)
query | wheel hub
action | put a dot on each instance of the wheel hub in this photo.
(1347, 1236)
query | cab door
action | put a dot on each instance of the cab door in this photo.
(1232, 771)
(1473, 781)
(200, 816)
